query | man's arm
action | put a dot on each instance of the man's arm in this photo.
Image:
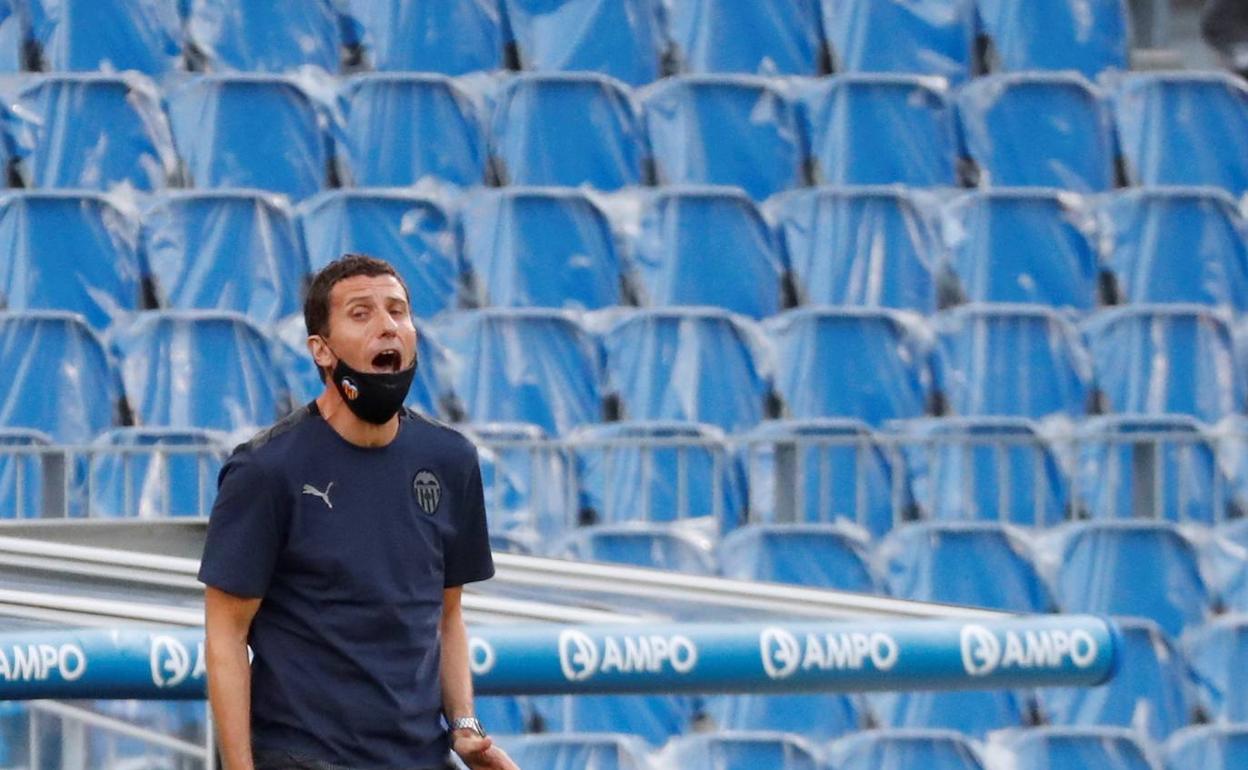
(476, 752)
(227, 620)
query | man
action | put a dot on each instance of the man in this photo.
(338, 546)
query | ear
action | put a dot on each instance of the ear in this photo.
(320, 351)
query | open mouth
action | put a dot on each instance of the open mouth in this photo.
(387, 360)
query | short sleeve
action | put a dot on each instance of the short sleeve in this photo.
(245, 530)
(467, 554)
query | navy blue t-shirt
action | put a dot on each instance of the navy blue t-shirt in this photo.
(350, 548)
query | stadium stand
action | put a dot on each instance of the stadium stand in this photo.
(624, 39)
(926, 38)
(1087, 37)
(768, 37)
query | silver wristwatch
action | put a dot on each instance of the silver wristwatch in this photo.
(468, 723)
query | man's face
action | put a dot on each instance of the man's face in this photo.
(370, 325)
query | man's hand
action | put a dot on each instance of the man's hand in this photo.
(480, 753)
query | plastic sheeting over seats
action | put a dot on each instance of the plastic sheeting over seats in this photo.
(85, 35)
(1088, 36)
(928, 37)
(453, 38)
(624, 39)
(764, 37)
(264, 35)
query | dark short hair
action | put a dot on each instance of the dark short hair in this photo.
(316, 306)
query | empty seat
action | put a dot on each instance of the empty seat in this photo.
(568, 751)
(403, 128)
(95, 132)
(1218, 653)
(216, 250)
(250, 131)
(1211, 747)
(1012, 360)
(263, 35)
(881, 129)
(900, 749)
(708, 246)
(814, 716)
(85, 35)
(567, 129)
(200, 369)
(651, 718)
(1105, 748)
(657, 360)
(1166, 359)
(1039, 130)
(930, 37)
(530, 489)
(411, 231)
(1136, 568)
(24, 493)
(155, 472)
(535, 366)
(1177, 244)
(972, 713)
(1184, 129)
(861, 246)
(741, 751)
(1023, 245)
(625, 40)
(657, 471)
(817, 555)
(766, 37)
(419, 36)
(724, 129)
(68, 251)
(541, 247)
(654, 546)
(1088, 36)
(977, 563)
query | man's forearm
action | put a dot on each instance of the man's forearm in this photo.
(229, 693)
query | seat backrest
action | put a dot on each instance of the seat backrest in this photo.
(766, 37)
(273, 36)
(624, 39)
(928, 37)
(1088, 36)
(455, 38)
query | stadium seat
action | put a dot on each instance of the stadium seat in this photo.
(94, 132)
(541, 247)
(638, 544)
(1011, 360)
(708, 246)
(527, 365)
(24, 494)
(1209, 747)
(831, 556)
(155, 472)
(263, 35)
(657, 471)
(1087, 36)
(860, 246)
(983, 564)
(624, 39)
(1177, 244)
(249, 130)
(1218, 652)
(1166, 359)
(881, 129)
(200, 369)
(578, 751)
(930, 37)
(413, 232)
(68, 251)
(87, 35)
(813, 716)
(765, 37)
(1023, 245)
(404, 128)
(530, 489)
(741, 751)
(1103, 748)
(1150, 693)
(420, 36)
(651, 718)
(903, 749)
(1184, 129)
(1039, 130)
(861, 363)
(1136, 568)
(738, 130)
(216, 250)
(822, 471)
(984, 468)
(567, 129)
(657, 361)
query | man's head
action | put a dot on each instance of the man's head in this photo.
(358, 310)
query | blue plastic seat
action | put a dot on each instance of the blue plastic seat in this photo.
(1011, 360)
(1218, 653)
(264, 35)
(535, 366)
(650, 718)
(735, 130)
(1087, 36)
(814, 716)
(860, 363)
(155, 472)
(24, 493)
(928, 37)
(530, 489)
(901, 749)
(623, 39)
(657, 360)
(1178, 244)
(860, 246)
(255, 130)
(87, 35)
(411, 231)
(1039, 130)
(766, 37)
(708, 246)
(577, 751)
(1135, 568)
(95, 132)
(1184, 129)
(657, 471)
(881, 129)
(741, 751)
(1023, 245)
(638, 544)
(1166, 359)
(567, 129)
(541, 247)
(420, 36)
(200, 369)
(1104, 748)
(402, 128)
(817, 555)
(216, 250)
(1210, 747)
(983, 564)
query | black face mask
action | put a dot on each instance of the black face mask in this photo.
(374, 397)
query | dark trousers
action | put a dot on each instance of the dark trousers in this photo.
(283, 760)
